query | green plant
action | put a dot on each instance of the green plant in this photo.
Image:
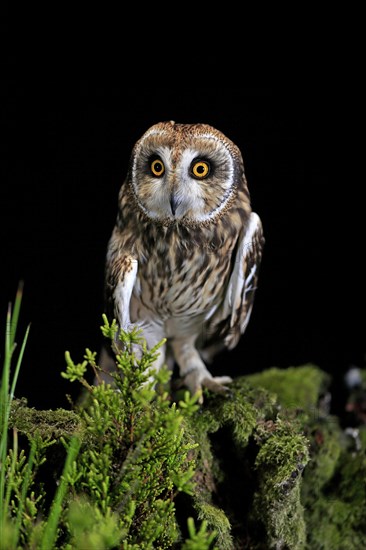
(20, 503)
(132, 467)
(125, 457)
(11, 465)
(134, 459)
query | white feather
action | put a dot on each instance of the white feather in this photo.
(122, 296)
(238, 284)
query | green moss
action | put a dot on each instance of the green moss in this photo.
(326, 441)
(346, 496)
(306, 477)
(362, 436)
(48, 424)
(282, 450)
(217, 520)
(237, 416)
(295, 387)
(282, 456)
(331, 524)
(334, 488)
(279, 522)
(257, 441)
(242, 409)
(352, 486)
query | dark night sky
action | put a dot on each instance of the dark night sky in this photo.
(64, 157)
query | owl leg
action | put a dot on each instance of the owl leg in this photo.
(193, 371)
(153, 334)
(208, 354)
(107, 364)
(159, 362)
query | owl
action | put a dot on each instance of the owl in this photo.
(183, 259)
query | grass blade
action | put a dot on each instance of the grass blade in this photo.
(4, 403)
(50, 532)
(11, 325)
(17, 368)
(15, 315)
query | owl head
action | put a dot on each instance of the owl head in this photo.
(184, 173)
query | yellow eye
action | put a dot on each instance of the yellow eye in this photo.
(157, 168)
(200, 169)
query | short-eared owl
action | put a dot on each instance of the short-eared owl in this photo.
(183, 258)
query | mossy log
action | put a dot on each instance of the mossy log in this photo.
(273, 468)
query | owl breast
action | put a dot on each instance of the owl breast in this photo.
(181, 281)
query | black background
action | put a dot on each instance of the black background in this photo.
(64, 157)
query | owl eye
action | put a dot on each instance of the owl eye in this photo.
(157, 168)
(200, 169)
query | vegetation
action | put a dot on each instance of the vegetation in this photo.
(124, 453)
(135, 466)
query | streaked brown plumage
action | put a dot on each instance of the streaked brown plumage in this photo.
(183, 258)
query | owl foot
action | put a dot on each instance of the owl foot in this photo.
(196, 380)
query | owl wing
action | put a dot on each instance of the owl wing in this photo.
(120, 281)
(231, 320)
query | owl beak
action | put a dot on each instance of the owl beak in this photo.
(174, 203)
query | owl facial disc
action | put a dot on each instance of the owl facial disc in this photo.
(178, 175)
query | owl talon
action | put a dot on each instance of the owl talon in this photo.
(196, 383)
(217, 384)
(178, 384)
